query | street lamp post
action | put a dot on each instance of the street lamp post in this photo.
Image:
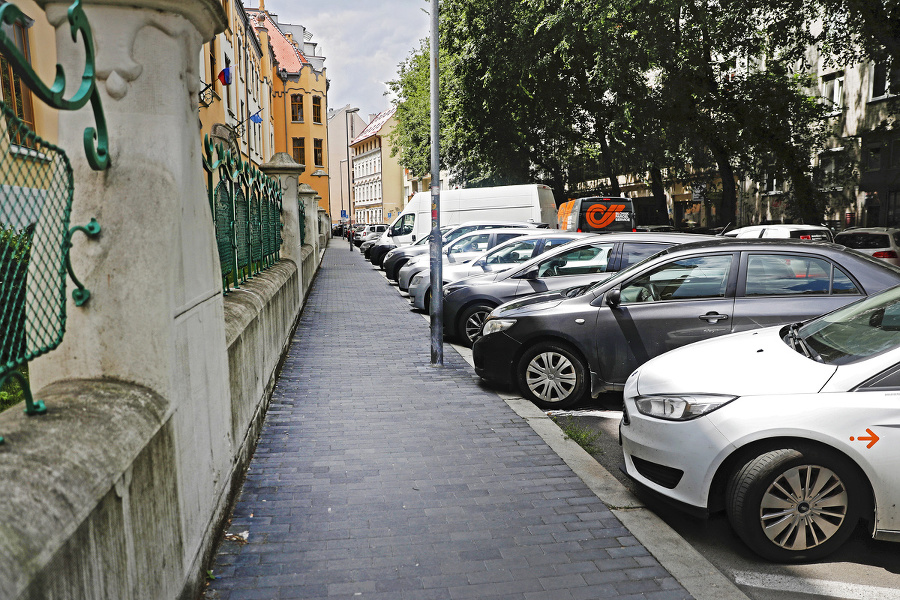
(349, 167)
(341, 175)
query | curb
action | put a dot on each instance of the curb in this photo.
(696, 574)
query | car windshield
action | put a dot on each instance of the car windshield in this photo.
(857, 331)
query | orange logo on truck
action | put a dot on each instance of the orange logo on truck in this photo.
(606, 214)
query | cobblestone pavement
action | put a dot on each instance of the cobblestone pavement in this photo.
(378, 476)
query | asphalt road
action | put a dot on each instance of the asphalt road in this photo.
(862, 569)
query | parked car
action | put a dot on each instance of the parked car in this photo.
(368, 232)
(807, 233)
(880, 242)
(463, 248)
(366, 246)
(502, 257)
(792, 430)
(403, 254)
(468, 301)
(556, 351)
(385, 244)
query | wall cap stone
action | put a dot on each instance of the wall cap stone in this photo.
(56, 467)
(282, 163)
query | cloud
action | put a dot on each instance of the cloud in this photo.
(363, 42)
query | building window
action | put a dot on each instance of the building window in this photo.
(318, 155)
(895, 154)
(297, 108)
(300, 150)
(873, 158)
(213, 76)
(16, 94)
(317, 109)
(882, 80)
(833, 92)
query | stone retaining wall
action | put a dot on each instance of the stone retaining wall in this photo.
(91, 505)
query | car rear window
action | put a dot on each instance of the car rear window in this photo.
(811, 235)
(863, 241)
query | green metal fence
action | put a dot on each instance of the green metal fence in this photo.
(246, 208)
(36, 191)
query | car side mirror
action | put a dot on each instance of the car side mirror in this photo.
(614, 297)
(414, 237)
(530, 274)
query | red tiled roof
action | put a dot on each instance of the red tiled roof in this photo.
(376, 124)
(286, 53)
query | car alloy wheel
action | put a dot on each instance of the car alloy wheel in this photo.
(552, 376)
(471, 323)
(793, 505)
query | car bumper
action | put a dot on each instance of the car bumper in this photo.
(378, 252)
(389, 265)
(417, 293)
(676, 460)
(406, 274)
(493, 357)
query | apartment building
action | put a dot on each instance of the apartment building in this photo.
(378, 181)
(344, 124)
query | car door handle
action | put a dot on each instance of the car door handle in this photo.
(713, 317)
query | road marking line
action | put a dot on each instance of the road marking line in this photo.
(819, 587)
(603, 414)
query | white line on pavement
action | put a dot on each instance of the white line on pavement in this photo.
(603, 414)
(818, 587)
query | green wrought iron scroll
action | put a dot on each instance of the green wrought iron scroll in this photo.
(246, 206)
(36, 192)
(96, 141)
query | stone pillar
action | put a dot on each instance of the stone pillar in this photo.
(155, 316)
(308, 196)
(286, 170)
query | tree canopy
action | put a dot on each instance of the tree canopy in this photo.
(700, 91)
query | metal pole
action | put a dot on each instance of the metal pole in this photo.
(349, 181)
(437, 276)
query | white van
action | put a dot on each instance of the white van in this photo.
(533, 203)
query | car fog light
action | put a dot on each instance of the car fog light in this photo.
(496, 325)
(680, 407)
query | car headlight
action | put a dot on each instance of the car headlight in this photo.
(680, 407)
(417, 279)
(390, 254)
(497, 325)
(449, 289)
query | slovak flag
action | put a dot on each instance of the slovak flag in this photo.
(225, 76)
(255, 118)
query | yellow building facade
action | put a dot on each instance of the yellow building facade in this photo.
(265, 91)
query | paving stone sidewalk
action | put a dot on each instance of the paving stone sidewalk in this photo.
(378, 476)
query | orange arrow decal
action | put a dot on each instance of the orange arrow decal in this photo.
(871, 438)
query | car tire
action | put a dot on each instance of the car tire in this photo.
(470, 323)
(552, 375)
(769, 505)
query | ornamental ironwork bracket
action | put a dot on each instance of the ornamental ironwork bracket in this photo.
(96, 140)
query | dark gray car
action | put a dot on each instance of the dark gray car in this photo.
(556, 351)
(467, 302)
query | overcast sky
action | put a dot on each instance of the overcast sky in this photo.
(362, 41)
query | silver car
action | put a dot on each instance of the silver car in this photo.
(500, 258)
(880, 242)
(463, 248)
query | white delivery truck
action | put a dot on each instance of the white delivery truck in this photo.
(533, 203)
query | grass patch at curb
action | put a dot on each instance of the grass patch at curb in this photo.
(583, 436)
